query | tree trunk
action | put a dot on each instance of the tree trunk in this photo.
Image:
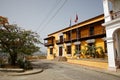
(13, 59)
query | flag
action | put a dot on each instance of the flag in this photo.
(76, 19)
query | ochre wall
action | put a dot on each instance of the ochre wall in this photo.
(98, 64)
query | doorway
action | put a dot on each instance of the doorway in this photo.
(60, 51)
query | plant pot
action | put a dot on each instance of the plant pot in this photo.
(87, 56)
(78, 56)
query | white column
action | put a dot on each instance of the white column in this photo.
(111, 55)
(106, 11)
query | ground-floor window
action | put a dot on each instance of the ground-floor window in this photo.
(68, 49)
(90, 44)
(78, 47)
(51, 50)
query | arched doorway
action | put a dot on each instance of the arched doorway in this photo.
(116, 39)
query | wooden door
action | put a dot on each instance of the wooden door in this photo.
(60, 51)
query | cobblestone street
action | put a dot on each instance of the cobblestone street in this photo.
(62, 71)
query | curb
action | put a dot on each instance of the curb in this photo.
(34, 71)
(106, 72)
(29, 72)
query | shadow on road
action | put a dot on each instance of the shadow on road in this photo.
(43, 65)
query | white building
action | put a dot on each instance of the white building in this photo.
(112, 24)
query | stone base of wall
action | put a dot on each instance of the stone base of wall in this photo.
(97, 64)
(60, 58)
(50, 57)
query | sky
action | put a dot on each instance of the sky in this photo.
(48, 16)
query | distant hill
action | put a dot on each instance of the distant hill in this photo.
(40, 53)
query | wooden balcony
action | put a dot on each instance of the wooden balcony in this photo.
(50, 41)
(67, 40)
(90, 31)
(97, 34)
(74, 39)
(48, 44)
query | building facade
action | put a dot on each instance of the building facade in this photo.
(95, 31)
(65, 42)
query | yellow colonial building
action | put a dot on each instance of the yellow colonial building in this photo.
(73, 43)
(65, 42)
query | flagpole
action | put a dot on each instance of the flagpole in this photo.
(70, 24)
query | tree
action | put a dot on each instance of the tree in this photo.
(15, 41)
(3, 20)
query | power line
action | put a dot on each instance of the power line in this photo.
(48, 14)
(54, 15)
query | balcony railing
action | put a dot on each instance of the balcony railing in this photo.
(49, 41)
(115, 15)
(48, 44)
(67, 39)
(86, 36)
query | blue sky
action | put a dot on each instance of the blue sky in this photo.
(47, 16)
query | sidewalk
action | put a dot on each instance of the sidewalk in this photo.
(114, 73)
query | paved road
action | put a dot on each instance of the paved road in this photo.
(62, 71)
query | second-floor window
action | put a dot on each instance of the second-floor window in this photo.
(61, 38)
(78, 33)
(69, 35)
(91, 31)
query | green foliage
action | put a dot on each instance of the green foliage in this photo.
(20, 63)
(26, 65)
(2, 62)
(84, 51)
(92, 51)
(76, 52)
(14, 41)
